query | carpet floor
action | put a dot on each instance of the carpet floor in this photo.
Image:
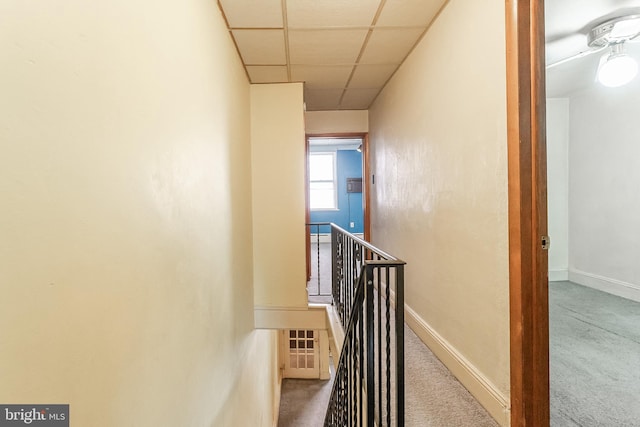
(434, 397)
(303, 403)
(594, 358)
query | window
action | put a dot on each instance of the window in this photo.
(322, 181)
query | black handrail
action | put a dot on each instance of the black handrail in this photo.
(369, 381)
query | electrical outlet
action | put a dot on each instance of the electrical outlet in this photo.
(352, 224)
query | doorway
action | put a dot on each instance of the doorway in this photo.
(594, 291)
(337, 192)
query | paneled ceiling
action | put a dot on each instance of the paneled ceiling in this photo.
(343, 50)
(346, 50)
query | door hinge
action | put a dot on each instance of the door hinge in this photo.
(546, 242)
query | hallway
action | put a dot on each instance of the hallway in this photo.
(154, 193)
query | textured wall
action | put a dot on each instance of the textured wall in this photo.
(604, 179)
(344, 121)
(125, 232)
(558, 186)
(439, 156)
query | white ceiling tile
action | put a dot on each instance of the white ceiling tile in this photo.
(268, 73)
(324, 99)
(358, 99)
(261, 47)
(409, 13)
(328, 47)
(331, 13)
(321, 77)
(371, 76)
(253, 13)
(390, 46)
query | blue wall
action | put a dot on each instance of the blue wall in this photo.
(349, 165)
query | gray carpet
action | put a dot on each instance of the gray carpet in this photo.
(434, 398)
(303, 403)
(594, 358)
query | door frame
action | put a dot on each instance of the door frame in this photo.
(366, 184)
(528, 262)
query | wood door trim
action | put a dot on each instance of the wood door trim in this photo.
(528, 264)
(307, 211)
(366, 175)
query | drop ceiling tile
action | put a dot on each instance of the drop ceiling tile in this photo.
(252, 13)
(321, 77)
(371, 76)
(328, 47)
(358, 99)
(268, 73)
(261, 47)
(331, 13)
(324, 99)
(409, 13)
(390, 46)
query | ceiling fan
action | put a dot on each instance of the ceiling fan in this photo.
(616, 67)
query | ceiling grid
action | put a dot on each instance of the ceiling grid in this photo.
(343, 50)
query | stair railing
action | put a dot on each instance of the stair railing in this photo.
(315, 261)
(368, 295)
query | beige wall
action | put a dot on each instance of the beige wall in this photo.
(126, 232)
(438, 135)
(278, 162)
(257, 385)
(344, 121)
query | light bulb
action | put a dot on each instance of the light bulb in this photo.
(617, 70)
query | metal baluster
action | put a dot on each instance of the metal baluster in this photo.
(371, 388)
(388, 338)
(362, 355)
(318, 254)
(400, 344)
(378, 277)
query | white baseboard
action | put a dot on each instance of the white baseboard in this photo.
(606, 284)
(278, 397)
(558, 275)
(496, 403)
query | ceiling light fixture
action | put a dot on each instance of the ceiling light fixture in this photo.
(617, 68)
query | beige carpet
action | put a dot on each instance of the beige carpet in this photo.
(434, 398)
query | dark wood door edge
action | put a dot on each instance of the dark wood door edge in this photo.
(529, 313)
